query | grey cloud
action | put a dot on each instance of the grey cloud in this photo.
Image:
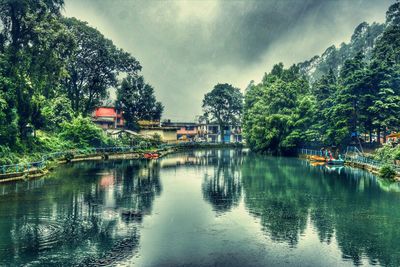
(185, 47)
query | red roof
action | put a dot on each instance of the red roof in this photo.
(105, 112)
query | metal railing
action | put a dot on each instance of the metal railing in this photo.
(353, 158)
(40, 164)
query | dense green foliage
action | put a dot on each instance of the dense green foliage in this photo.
(279, 112)
(53, 72)
(73, 130)
(387, 172)
(388, 153)
(137, 101)
(288, 110)
(224, 105)
(93, 66)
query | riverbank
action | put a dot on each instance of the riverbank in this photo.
(41, 168)
(74, 216)
(39, 171)
(367, 166)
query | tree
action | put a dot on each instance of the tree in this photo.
(93, 66)
(279, 113)
(384, 72)
(386, 102)
(224, 104)
(136, 99)
(349, 107)
(35, 44)
(324, 91)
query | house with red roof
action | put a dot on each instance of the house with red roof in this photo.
(108, 118)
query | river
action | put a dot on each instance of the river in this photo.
(201, 208)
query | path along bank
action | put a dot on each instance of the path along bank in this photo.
(23, 171)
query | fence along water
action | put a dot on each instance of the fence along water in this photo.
(353, 158)
(41, 164)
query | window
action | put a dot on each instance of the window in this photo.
(213, 129)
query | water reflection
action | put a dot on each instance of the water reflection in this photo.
(222, 186)
(347, 204)
(75, 216)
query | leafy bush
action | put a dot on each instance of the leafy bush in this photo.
(83, 133)
(7, 156)
(387, 153)
(56, 112)
(68, 156)
(47, 142)
(397, 155)
(155, 140)
(387, 172)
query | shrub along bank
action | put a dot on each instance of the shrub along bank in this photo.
(79, 133)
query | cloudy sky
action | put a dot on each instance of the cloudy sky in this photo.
(186, 47)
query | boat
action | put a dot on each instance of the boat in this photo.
(317, 163)
(317, 158)
(151, 155)
(335, 162)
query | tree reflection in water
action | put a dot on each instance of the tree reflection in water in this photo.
(222, 188)
(75, 216)
(79, 214)
(351, 207)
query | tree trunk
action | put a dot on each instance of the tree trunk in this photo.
(221, 128)
(384, 134)
(378, 135)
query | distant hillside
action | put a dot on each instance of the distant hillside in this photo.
(363, 39)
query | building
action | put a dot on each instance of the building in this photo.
(171, 132)
(149, 123)
(108, 118)
(211, 132)
(186, 131)
(167, 134)
(121, 133)
(393, 138)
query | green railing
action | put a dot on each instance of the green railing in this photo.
(40, 164)
(353, 158)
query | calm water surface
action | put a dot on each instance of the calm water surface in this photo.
(201, 208)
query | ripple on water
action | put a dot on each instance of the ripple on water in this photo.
(40, 235)
(121, 250)
(45, 232)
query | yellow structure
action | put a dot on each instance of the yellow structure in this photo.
(147, 123)
(167, 134)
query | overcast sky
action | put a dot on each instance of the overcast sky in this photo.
(186, 47)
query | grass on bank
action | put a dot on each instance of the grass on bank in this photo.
(79, 133)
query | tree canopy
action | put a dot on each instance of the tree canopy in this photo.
(53, 72)
(224, 105)
(136, 99)
(93, 66)
(286, 111)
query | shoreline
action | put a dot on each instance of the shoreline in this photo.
(33, 173)
(37, 173)
(362, 166)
